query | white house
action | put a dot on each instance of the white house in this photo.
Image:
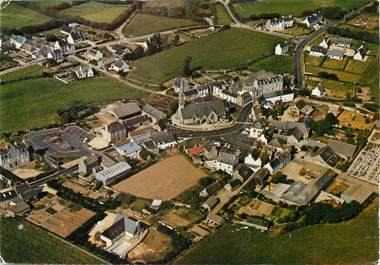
(318, 51)
(94, 55)
(83, 72)
(120, 66)
(318, 91)
(361, 54)
(335, 54)
(251, 161)
(281, 49)
(17, 41)
(130, 150)
(324, 43)
(75, 37)
(279, 24)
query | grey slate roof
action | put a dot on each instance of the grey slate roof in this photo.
(204, 109)
(337, 53)
(155, 113)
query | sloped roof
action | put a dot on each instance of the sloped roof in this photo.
(204, 109)
(126, 109)
(152, 111)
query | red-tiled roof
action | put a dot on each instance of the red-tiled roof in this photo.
(196, 150)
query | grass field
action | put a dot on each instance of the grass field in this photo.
(335, 64)
(32, 103)
(143, 24)
(352, 242)
(353, 120)
(275, 64)
(358, 67)
(97, 11)
(343, 76)
(222, 16)
(223, 50)
(293, 7)
(15, 17)
(34, 245)
(157, 182)
(314, 60)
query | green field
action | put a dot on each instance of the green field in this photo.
(15, 16)
(32, 103)
(352, 242)
(275, 64)
(343, 76)
(293, 7)
(34, 245)
(97, 11)
(222, 16)
(143, 24)
(223, 50)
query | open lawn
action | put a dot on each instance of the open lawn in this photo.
(335, 64)
(32, 103)
(275, 64)
(336, 89)
(293, 7)
(222, 16)
(34, 245)
(343, 76)
(313, 60)
(15, 16)
(223, 50)
(165, 180)
(352, 242)
(358, 67)
(97, 11)
(143, 24)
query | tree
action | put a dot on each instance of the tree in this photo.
(331, 119)
(186, 66)
(205, 181)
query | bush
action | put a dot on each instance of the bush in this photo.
(358, 35)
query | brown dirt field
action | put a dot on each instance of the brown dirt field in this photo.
(81, 189)
(153, 248)
(353, 120)
(164, 180)
(258, 208)
(63, 222)
(175, 221)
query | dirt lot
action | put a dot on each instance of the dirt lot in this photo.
(257, 208)
(58, 218)
(152, 249)
(337, 187)
(26, 173)
(353, 120)
(164, 180)
(81, 189)
(182, 217)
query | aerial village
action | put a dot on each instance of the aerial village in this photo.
(136, 181)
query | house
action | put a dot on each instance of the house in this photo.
(18, 207)
(301, 107)
(293, 136)
(214, 220)
(257, 222)
(17, 41)
(324, 43)
(313, 21)
(93, 54)
(9, 178)
(325, 155)
(341, 42)
(106, 63)
(114, 132)
(164, 139)
(283, 96)
(120, 66)
(211, 189)
(210, 203)
(197, 150)
(317, 51)
(232, 185)
(137, 121)
(356, 192)
(14, 155)
(124, 111)
(344, 150)
(361, 54)
(281, 49)
(318, 91)
(260, 83)
(287, 125)
(75, 37)
(278, 162)
(279, 24)
(227, 160)
(156, 115)
(83, 71)
(180, 84)
(131, 150)
(66, 29)
(6, 196)
(206, 112)
(242, 173)
(252, 161)
(113, 173)
(156, 205)
(89, 165)
(122, 227)
(335, 54)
